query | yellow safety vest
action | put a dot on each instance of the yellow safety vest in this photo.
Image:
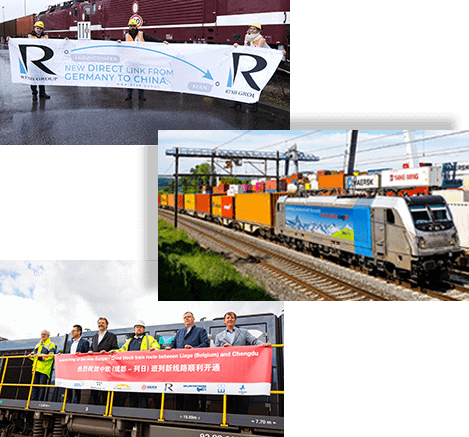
(148, 342)
(44, 364)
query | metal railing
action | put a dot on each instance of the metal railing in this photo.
(110, 394)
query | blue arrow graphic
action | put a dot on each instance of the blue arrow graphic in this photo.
(206, 74)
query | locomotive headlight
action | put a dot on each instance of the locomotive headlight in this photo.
(454, 238)
(421, 242)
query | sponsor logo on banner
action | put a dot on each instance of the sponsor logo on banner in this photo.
(168, 387)
(242, 390)
(122, 387)
(221, 388)
(198, 387)
(79, 384)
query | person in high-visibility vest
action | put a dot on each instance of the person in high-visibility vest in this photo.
(137, 35)
(139, 342)
(253, 38)
(42, 364)
(38, 33)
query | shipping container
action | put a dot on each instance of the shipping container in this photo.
(164, 199)
(331, 181)
(460, 213)
(412, 177)
(202, 203)
(171, 200)
(9, 28)
(189, 202)
(272, 185)
(216, 205)
(453, 195)
(24, 25)
(257, 208)
(228, 206)
(362, 182)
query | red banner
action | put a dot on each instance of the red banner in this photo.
(242, 370)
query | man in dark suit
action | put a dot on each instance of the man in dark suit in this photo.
(77, 345)
(187, 338)
(103, 341)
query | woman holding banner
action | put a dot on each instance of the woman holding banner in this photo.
(253, 38)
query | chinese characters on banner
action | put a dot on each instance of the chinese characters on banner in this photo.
(236, 370)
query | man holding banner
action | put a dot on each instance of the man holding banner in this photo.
(137, 35)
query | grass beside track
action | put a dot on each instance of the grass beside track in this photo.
(186, 271)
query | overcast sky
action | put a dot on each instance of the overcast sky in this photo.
(55, 295)
(386, 148)
(16, 8)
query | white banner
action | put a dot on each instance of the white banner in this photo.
(210, 70)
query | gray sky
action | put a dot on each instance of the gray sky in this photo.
(55, 295)
(17, 8)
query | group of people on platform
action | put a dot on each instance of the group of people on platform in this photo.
(189, 337)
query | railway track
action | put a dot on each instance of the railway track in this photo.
(309, 283)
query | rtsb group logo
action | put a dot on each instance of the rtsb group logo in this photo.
(31, 54)
(260, 64)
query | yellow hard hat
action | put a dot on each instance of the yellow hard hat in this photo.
(256, 24)
(133, 22)
(39, 24)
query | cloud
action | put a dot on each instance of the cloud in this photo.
(55, 295)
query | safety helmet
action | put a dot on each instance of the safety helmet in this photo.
(256, 24)
(139, 323)
(133, 22)
(39, 24)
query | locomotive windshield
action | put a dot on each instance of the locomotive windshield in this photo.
(431, 217)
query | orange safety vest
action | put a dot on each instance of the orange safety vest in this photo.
(42, 37)
(260, 42)
(139, 37)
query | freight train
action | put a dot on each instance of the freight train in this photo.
(197, 21)
(403, 237)
(263, 415)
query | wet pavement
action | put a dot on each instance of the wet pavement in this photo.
(79, 115)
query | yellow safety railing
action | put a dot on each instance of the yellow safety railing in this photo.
(31, 385)
(110, 394)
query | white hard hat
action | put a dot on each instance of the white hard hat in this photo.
(139, 323)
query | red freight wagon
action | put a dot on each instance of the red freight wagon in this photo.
(173, 20)
(109, 18)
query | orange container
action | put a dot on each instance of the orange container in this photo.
(202, 203)
(159, 199)
(171, 200)
(257, 207)
(180, 200)
(331, 181)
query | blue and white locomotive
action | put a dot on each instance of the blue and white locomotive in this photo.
(412, 237)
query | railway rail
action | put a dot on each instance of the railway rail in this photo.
(308, 282)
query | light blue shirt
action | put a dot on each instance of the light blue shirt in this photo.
(230, 335)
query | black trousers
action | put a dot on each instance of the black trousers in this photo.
(42, 89)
